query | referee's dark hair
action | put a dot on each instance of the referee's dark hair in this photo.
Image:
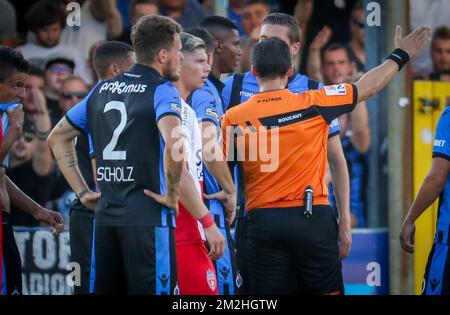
(151, 34)
(207, 38)
(271, 58)
(11, 60)
(216, 23)
(110, 52)
(294, 31)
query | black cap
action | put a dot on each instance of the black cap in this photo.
(62, 60)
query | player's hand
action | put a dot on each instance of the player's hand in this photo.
(407, 236)
(90, 199)
(165, 200)
(414, 42)
(16, 117)
(345, 240)
(51, 218)
(216, 242)
(229, 202)
(322, 38)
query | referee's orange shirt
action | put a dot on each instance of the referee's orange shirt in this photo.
(301, 122)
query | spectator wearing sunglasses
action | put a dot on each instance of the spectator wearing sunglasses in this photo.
(356, 47)
(73, 91)
(56, 71)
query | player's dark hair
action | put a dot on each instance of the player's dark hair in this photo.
(11, 60)
(252, 2)
(271, 58)
(110, 52)
(294, 31)
(216, 22)
(151, 34)
(207, 38)
(44, 13)
(37, 72)
(335, 47)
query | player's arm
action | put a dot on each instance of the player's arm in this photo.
(431, 189)
(15, 119)
(20, 200)
(377, 78)
(216, 164)
(359, 121)
(434, 183)
(190, 198)
(61, 141)
(341, 187)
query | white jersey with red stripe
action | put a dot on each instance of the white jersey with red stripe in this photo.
(188, 229)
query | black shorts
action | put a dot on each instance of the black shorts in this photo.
(10, 261)
(288, 253)
(240, 236)
(138, 260)
(81, 230)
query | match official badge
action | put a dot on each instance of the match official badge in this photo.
(211, 279)
(335, 90)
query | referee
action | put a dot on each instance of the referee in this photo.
(292, 247)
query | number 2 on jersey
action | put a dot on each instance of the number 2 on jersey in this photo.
(108, 152)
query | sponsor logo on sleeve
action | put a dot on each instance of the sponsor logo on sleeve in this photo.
(335, 90)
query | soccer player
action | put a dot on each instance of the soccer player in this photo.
(137, 148)
(111, 58)
(208, 104)
(293, 248)
(13, 76)
(436, 185)
(196, 274)
(240, 87)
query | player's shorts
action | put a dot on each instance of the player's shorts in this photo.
(10, 261)
(81, 237)
(288, 253)
(137, 260)
(228, 275)
(196, 274)
(240, 240)
(437, 272)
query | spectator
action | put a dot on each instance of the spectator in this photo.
(356, 47)
(440, 55)
(355, 133)
(138, 9)
(46, 19)
(35, 81)
(186, 12)
(253, 14)
(100, 20)
(56, 71)
(31, 162)
(8, 25)
(235, 14)
(314, 15)
(73, 90)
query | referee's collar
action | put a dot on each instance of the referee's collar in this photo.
(144, 70)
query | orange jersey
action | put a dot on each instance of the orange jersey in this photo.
(291, 133)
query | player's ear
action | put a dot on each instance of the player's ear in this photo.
(114, 69)
(295, 49)
(252, 69)
(219, 45)
(290, 71)
(161, 56)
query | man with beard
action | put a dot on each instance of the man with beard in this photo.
(135, 122)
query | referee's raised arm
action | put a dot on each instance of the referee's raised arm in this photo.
(406, 49)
